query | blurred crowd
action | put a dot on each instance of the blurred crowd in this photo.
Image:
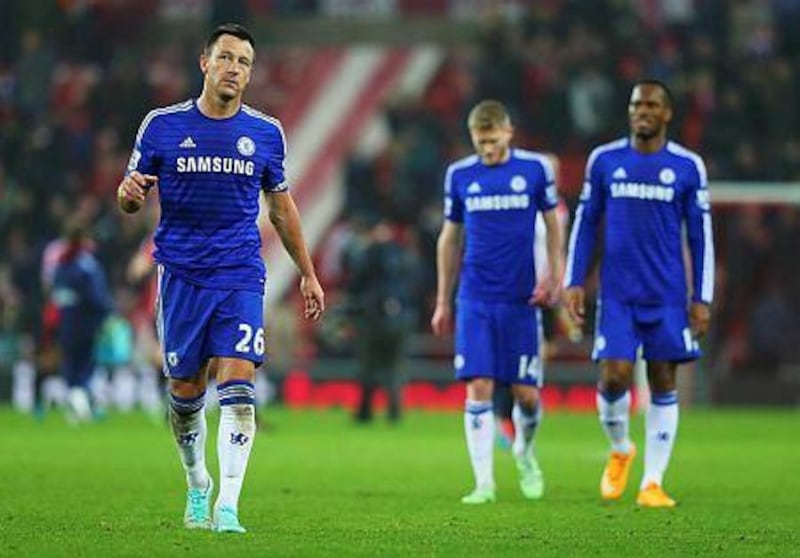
(76, 77)
(565, 69)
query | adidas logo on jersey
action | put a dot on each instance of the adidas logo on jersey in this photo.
(188, 143)
(619, 174)
(474, 188)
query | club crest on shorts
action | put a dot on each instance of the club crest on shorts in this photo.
(245, 146)
(599, 343)
(172, 359)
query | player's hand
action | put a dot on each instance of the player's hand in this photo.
(546, 294)
(575, 301)
(133, 189)
(699, 319)
(442, 320)
(313, 298)
(574, 333)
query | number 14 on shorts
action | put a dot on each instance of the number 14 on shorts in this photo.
(529, 366)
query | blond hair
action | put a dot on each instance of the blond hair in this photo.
(488, 114)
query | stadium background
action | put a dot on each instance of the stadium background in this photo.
(373, 96)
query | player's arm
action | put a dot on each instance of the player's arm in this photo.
(449, 250)
(582, 241)
(697, 207)
(548, 284)
(285, 218)
(547, 290)
(449, 247)
(141, 174)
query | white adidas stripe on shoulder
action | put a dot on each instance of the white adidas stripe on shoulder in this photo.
(600, 149)
(457, 165)
(708, 271)
(681, 151)
(177, 107)
(541, 158)
(255, 113)
(467, 161)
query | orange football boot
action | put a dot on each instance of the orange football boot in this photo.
(615, 475)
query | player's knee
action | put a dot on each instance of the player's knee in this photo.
(662, 384)
(235, 369)
(661, 376)
(186, 390)
(480, 389)
(616, 376)
(614, 385)
(527, 398)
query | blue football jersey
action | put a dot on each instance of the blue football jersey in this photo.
(211, 173)
(497, 206)
(646, 199)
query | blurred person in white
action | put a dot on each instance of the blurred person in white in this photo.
(555, 319)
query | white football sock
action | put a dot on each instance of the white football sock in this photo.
(479, 431)
(614, 410)
(237, 428)
(526, 421)
(187, 420)
(661, 427)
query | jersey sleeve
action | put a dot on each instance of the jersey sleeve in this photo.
(547, 197)
(144, 157)
(540, 263)
(697, 210)
(274, 176)
(587, 217)
(453, 204)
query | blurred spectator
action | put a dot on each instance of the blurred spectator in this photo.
(772, 331)
(590, 97)
(81, 295)
(382, 299)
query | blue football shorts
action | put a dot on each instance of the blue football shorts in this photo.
(499, 341)
(662, 332)
(196, 323)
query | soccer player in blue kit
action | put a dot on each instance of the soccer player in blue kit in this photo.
(487, 242)
(210, 158)
(647, 189)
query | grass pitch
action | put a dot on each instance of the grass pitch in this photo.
(320, 486)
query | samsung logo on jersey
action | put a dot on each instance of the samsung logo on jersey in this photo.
(498, 203)
(642, 191)
(228, 165)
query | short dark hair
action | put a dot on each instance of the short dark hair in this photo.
(234, 29)
(657, 83)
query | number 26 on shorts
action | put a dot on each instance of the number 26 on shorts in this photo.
(257, 340)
